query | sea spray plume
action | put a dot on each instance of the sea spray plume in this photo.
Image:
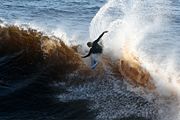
(128, 24)
(128, 21)
(129, 28)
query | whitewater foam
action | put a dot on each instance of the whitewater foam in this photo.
(130, 24)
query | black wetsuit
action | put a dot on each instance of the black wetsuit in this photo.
(96, 48)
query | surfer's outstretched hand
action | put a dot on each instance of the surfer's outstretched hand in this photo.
(105, 31)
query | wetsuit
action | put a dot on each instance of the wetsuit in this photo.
(96, 48)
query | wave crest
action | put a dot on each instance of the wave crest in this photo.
(52, 56)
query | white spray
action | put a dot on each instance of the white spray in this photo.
(130, 23)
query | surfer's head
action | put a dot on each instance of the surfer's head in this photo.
(89, 44)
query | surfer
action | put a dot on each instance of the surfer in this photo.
(96, 51)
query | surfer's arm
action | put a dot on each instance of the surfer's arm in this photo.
(97, 40)
(87, 54)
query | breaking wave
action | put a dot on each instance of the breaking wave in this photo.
(41, 73)
(30, 59)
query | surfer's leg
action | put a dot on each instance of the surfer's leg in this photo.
(92, 60)
(95, 60)
(94, 66)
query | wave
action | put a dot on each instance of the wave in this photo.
(30, 64)
(42, 72)
(25, 52)
(28, 51)
(34, 65)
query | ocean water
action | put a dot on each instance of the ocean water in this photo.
(71, 17)
(35, 87)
